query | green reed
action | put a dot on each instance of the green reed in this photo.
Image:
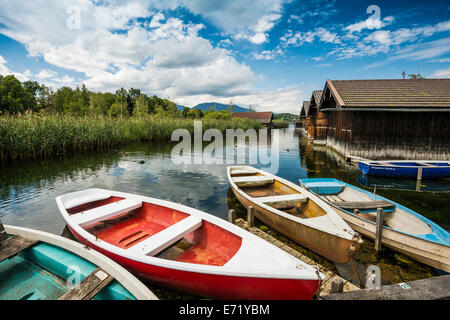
(28, 136)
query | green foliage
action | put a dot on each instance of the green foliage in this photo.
(195, 114)
(141, 108)
(35, 135)
(223, 115)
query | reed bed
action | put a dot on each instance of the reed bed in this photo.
(29, 136)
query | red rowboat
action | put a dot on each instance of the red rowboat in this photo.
(185, 249)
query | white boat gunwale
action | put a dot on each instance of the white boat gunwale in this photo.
(310, 222)
(387, 163)
(124, 277)
(306, 272)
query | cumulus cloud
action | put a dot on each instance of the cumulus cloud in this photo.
(299, 38)
(441, 73)
(163, 56)
(370, 23)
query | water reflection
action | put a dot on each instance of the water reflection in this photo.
(28, 189)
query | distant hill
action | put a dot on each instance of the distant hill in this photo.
(219, 107)
(180, 107)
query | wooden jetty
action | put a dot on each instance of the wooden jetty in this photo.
(436, 288)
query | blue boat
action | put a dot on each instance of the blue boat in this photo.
(404, 230)
(35, 265)
(406, 168)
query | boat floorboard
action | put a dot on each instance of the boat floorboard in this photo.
(363, 205)
(14, 245)
(89, 287)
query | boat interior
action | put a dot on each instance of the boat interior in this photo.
(33, 270)
(149, 229)
(275, 194)
(365, 206)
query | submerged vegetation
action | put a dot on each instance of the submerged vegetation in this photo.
(38, 122)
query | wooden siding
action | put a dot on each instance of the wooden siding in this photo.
(394, 135)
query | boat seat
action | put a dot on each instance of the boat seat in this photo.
(166, 237)
(363, 205)
(242, 171)
(105, 212)
(252, 181)
(69, 204)
(283, 199)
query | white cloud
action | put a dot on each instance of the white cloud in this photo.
(258, 33)
(299, 38)
(45, 74)
(441, 73)
(370, 23)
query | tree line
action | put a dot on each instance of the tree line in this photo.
(18, 97)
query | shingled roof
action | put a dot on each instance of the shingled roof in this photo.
(305, 109)
(261, 117)
(317, 94)
(394, 93)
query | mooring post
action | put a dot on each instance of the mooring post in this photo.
(251, 216)
(379, 229)
(419, 174)
(337, 285)
(3, 233)
(232, 216)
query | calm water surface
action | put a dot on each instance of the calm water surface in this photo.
(28, 189)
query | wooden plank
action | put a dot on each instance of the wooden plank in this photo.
(286, 198)
(249, 181)
(363, 205)
(12, 246)
(166, 237)
(435, 288)
(89, 287)
(105, 212)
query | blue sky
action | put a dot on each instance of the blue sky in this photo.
(267, 53)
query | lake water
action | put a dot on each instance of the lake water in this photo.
(28, 189)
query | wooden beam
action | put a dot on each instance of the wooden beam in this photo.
(335, 93)
(363, 205)
(12, 246)
(89, 287)
(3, 233)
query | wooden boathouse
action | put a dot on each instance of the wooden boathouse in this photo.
(264, 118)
(381, 119)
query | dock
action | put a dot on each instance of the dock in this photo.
(436, 288)
(330, 278)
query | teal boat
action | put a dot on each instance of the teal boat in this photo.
(35, 265)
(404, 230)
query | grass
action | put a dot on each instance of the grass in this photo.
(29, 136)
(280, 124)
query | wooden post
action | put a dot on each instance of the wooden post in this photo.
(379, 229)
(337, 285)
(3, 234)
(419, 174)
(251, 216)
(232, 216)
